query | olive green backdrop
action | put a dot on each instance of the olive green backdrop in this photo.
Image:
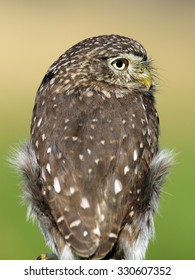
(35, 33)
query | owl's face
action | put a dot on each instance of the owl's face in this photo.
(125, 69)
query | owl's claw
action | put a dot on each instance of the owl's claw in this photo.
(47, 256)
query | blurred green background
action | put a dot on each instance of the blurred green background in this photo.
(35, 33)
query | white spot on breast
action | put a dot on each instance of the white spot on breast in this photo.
(84, 203)
(95, 120)
(135, 155)
(112, 157)
(74, 138)
(89, 170)
(43, 137)
(117, 186)
(133, 115)
(48, 168)
(60, 219)
(126, 169)
(39, 122)
(85, 233)
(81, 157)
(75, 223)
(124, 121)
(72, 190)
(138, 191)
(102, 142)
(141, 145)
(59, 156)
(92, 126)
(43, 174)
(135, 171)
(89, 151)
(56, 185)
(97, 160)
(112, 235)
(37, 143)
(49, 150)
(66, 120)
(131, 213)
(97, 231)
(133, 125)
(91, 137)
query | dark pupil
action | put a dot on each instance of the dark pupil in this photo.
(119, 63)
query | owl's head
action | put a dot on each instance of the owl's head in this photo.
(109, 59)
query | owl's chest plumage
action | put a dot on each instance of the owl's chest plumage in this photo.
(94, 152)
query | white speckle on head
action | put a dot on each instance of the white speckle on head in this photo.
(48, 168)
(133, 115)
(95, 120)
(133, 125)
(90, 170)
(92, 126)
(135, 171)
(117, 186)
(135, 155)
(74, 138)
(84, 203)
(56, 185)
(89, 93)
(75, 223)
(49, 150)
(81, 157)
(141, 145)
(60, 219)
(126, 169)
(102, 142)
(65, 127)
(124, 121)
(97, 231)
(91, 137)
(124, 136)
(143, 107)
(112, 235)
(39, 122)
(85, 233)
(138, 191)
(89, 151)
(49, 188)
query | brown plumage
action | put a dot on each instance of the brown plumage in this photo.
(92, 168)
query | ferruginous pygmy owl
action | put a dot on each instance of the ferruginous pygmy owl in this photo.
(92, 169)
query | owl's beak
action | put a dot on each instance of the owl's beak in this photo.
(146, 79)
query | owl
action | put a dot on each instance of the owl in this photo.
(92, 171)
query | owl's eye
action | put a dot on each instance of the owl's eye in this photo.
(120, 64)
(141, 69)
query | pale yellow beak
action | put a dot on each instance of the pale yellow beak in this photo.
(146, 78)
